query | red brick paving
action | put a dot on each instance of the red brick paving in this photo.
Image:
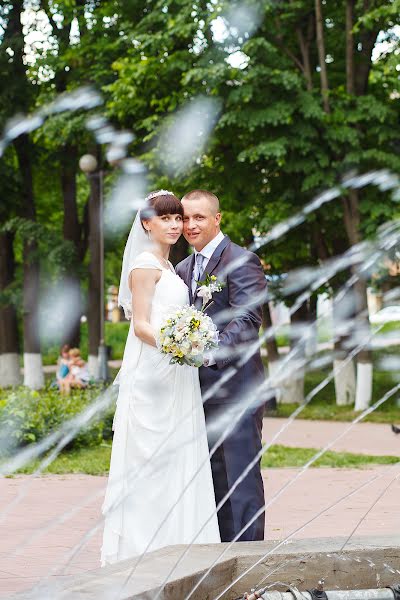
(42, 519)
(29, 552)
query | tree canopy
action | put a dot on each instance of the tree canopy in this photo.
(264, 103)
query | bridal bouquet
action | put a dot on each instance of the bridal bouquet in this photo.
(186, 335)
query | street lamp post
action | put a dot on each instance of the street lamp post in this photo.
(89, 165)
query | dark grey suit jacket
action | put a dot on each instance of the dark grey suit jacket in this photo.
(237, 312)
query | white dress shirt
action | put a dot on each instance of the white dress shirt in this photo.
(207, 252)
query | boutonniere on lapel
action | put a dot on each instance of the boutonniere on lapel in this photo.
(207, 287)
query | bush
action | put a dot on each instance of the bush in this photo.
(27, 416)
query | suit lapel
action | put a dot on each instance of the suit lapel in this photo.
(188, 277)
(215, 258)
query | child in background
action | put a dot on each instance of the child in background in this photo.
(78, 376)
(63, 364)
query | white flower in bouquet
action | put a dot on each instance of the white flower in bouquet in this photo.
(186, 334)
(205, 293)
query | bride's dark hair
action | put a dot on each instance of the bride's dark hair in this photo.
(159, 204)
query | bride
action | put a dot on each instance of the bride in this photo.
(160, 441)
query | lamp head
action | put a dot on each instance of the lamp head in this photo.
(88, 163)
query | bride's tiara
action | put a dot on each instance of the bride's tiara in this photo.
(159, 193)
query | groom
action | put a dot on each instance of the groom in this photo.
(237, 312)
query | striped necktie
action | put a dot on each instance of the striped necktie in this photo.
(197, 271)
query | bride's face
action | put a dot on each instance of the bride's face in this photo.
(165, 229)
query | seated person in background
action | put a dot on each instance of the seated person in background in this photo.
(78, 376)
(63, 364)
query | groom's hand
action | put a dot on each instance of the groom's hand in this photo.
(209, 360)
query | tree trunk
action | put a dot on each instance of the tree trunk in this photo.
(364, 385)
(364, 60)
(10, 372)
(271, 343)
(293, 385)
(361, 321)
(94, 304)
(311, 345)
(72, 233)
(24, 92)
(304, 44)
(72, 229)
(33, 368)
(345, 380)
(343, 367)
(349, 46)
(359, 85)
(364, 357)
(273, 356)
(322, 55)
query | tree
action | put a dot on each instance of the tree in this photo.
(81, 57)
(10, 373)
(22, 95)
(302, 110)
(66, 61)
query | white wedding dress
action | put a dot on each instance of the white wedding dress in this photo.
(160, 489)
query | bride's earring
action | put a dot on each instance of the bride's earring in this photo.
(149, 234)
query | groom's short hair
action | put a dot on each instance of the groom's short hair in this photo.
(198, 194)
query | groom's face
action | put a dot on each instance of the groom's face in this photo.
(200, 222)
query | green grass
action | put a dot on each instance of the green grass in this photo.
(283, 456)
(392, 326)
(323, 405)
(96, 460)
(331, 412)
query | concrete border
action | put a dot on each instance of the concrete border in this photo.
(366, 563)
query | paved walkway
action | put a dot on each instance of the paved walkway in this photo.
(363, 438)
(44, 520)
